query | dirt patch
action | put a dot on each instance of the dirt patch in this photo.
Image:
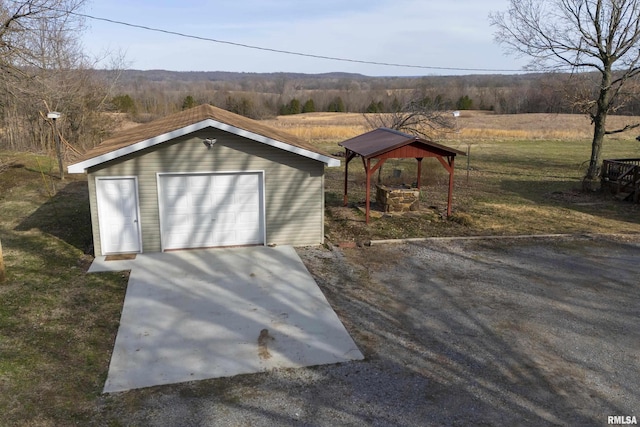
(120, 257)
(263, 344)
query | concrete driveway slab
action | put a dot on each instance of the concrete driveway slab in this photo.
(194, 315)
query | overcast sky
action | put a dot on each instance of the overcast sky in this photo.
(444, 34)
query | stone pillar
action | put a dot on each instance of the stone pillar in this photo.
(398, 199)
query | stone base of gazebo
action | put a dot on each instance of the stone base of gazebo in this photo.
(397, 198)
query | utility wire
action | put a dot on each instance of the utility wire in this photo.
(286, 52)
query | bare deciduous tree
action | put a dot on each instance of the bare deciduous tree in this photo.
(418, 115)
(600, 36)
(45, 69)
(42, 66)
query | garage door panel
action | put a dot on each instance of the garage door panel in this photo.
(246, 198)
(200, 220)
(204, 210)
(225, 238)
(200, 197)
(175, 199)
(246, 181)
(225, 218)
(201, 181)
(224, 204)
(187, 240)
(250, 237)
(248, 219)
(176, 221)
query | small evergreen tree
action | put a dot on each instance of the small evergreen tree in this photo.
(375, 107)
(295, 107)
(395, 105)
(188, 102)
(124, 104)
(464, 103)
(309, 106)
(284, 110)
(336, 106)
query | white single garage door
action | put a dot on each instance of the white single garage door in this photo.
(211, 209)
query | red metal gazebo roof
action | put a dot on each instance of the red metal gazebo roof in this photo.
(383, 140)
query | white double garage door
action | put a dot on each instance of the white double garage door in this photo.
(211, 209)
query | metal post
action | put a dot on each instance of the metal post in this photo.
(54, 115)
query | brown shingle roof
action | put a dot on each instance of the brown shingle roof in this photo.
(185, 118)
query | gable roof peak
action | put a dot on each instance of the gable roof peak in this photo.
(191, 120)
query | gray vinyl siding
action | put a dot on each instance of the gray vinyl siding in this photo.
(293, 189)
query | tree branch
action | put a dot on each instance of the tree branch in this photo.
(624, 129)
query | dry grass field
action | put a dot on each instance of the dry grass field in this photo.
(471, 126)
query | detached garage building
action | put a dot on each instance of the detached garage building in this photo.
(204, 177)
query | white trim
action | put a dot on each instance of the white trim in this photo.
(261, 178)
(81, 167)
(101, 224)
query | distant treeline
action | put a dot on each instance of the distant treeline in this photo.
(149, 94)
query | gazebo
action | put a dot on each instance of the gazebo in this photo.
(382, 144)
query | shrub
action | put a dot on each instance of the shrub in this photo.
(461, 218)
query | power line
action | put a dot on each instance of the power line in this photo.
(287, 52)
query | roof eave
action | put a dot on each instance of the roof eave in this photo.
(81, 167)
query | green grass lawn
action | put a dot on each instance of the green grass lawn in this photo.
(58, 324)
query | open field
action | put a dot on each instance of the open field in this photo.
(471, 127)
(57, 324)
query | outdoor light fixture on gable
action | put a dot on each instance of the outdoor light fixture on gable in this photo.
(209, 142)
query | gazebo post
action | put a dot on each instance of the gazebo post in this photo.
(349, 155)
(346, 178)
(450, 197)
(367, 168)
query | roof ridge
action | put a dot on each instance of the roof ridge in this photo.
(193, 119)
(397, 132)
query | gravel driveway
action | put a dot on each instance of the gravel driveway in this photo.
(454, 332)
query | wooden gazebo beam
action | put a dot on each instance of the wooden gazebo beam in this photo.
(449, 166)
(349, 156)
